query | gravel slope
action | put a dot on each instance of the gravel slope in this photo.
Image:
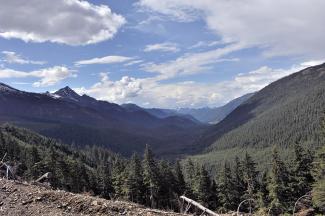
(22, 199)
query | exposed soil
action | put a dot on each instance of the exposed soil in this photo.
(22, 199)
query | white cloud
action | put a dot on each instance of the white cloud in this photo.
(47, 76)
(151, 92)
(134, 62)
(201, 44)
(105, 60)
(72, 22)
(114, 91)
(191, 63)
(163, 47)
(291, 27)
(12, 57)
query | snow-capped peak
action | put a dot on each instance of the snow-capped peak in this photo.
(67, 93)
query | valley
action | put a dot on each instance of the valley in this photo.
(94, 140)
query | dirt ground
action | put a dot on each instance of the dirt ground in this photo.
(22, 199)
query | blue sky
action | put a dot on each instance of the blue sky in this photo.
(171, 53)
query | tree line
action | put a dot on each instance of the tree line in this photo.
(159, 183)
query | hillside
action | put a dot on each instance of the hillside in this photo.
(26, 199)
(83, 120)
(285, 112)
(94, 171)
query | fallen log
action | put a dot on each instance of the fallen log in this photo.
(198, 205)
(45, 176)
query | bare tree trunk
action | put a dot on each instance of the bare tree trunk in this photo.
(198, 205)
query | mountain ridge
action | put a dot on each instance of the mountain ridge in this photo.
(287, 111)
(86, 121)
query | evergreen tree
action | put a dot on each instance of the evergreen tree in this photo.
(214, 202)
(151, 178)
(250, 176)
(167, 195)
(134, 181)
(180, 185)
(50, 164)
(104, 181)
(32, 163)
(238, 180)
(280, 192)
(263, 193)
(303, 165)
(118, 178)
(190, 173)
(203, 190)
(319, 186)
(227, 189)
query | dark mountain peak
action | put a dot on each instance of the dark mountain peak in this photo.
(131, 107)
(7, 88)
(67, 93)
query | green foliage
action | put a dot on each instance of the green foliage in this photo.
(151, 178)
(134, 182)
(250, 177)
(227, 188)
(319, 186)
(158, 184)
(302, 171)
(279, 186)
(180, 184)
(285, 112)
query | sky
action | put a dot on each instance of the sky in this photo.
(158, 53)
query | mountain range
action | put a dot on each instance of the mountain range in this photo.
(83, 120)
(204, 115)
(283, 113)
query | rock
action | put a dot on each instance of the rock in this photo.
(27, 202)
(94, 203)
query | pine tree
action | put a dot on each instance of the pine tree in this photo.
(319, 186)
(263, 193)
(180, 185)
(104, 181)
(204, 184)
(50, 164)
(250, 177)
(280, 192)
(302, 171)
(118, 178)
(238, 180)
(32, 163)
(134, 181)
(151, 178)
(227, 188)
(190, 173)
(167, 195)
(214, 202)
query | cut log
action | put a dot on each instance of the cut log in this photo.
(45, 176)
(198, 205)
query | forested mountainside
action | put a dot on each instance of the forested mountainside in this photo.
(82, 120)
(286, 112)
(157, 183)
(204, 115)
